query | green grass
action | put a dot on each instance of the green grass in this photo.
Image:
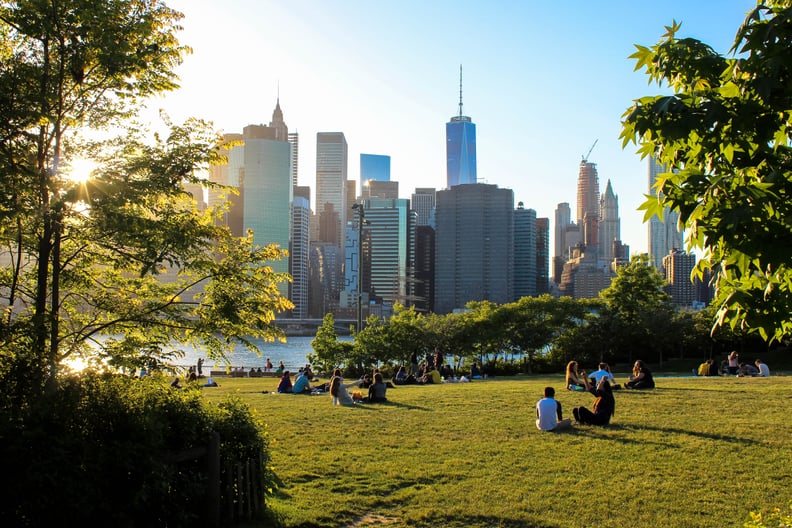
(694, 452)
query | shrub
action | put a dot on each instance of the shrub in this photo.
(103, 450)
(773, 519)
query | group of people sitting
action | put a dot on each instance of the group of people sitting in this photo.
(732, 365)
(600, 383)
(576, 380)
(377, 389)
(302, 382)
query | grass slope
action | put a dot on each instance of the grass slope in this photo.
(697, 452)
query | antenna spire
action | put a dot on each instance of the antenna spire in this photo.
(460, 90)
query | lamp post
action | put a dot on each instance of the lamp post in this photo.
(361, 219)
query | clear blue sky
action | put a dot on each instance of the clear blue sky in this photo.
(542, 82)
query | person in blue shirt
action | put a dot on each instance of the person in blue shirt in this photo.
(302, 385)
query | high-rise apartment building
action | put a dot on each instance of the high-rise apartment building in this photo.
(664, 235)
(678, 265)
(460, 147)
(474, 257)
(331, 180)
(609, 224)
(524, 252)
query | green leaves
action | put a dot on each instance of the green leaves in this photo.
(724, 133)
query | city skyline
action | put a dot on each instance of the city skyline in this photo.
(387, 76)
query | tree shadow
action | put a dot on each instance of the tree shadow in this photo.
(391, 403)
(697, 434)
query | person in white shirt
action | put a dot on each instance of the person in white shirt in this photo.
(603, 372)
(764, 370)
(548, 413)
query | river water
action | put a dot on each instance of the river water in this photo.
(293, 354)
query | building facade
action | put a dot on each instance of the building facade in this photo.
(588, 203)
(331, 182)
(664, 235)
(474, 257)
(678, 266)
(524, 252)
(609, 224)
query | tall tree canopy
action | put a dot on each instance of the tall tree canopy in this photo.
(724, 137)
(84, 260)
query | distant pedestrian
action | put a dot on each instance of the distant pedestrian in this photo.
(200, 367)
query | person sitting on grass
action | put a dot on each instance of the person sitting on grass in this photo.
(575, 381)
(338, 389)
(746, 369)
(377, 391)
(604, 405)
(432, 376)
(302, 384)
(548, 413)
(641, 378)
(764, 370)
(285, 384)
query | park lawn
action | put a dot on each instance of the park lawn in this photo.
(693, 452)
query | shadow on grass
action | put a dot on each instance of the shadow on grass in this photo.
(391, 403)
(594, 432)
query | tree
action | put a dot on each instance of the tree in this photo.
(535, 322)
(328, 352)
(724, 137)
(640, 307)
(85, 260)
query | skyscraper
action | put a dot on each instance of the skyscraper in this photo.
(391, 251)
(678, 266)
(563, 219)
(542, 255)
(299, 252)
(460, 146)
(524, 252)
(331, 180)
(423, 202)
(588, 203)
(609, 224)
(261, 167)
(474, 257)
(374, 167)
(664, 235)
(294, 141)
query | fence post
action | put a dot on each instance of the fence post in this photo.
(213, 481)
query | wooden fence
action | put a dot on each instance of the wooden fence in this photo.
(234, 492)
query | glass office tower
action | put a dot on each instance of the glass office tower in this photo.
(460, 147)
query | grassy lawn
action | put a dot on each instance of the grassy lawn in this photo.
(694, 452)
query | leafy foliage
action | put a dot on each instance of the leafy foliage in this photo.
(116, 269)
(724, 136)
(100, 450)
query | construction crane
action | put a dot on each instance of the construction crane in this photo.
(585, 158)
